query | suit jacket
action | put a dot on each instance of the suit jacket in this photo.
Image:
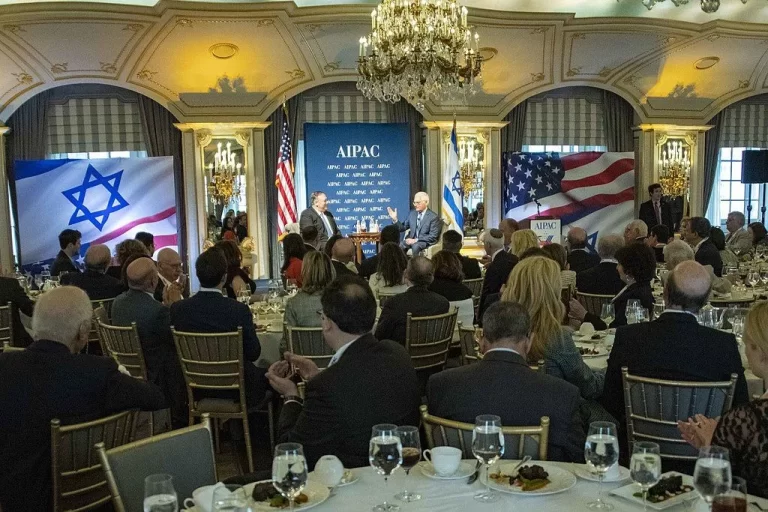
(368, 266)
(63, 263)
(11, 291)
(428, 233)
(461, 394)
(602, 279)
(673, 347)
(310, 217)
(648, 216)
(301, 309)
(44, 382)
(707, 254)
(341, 269)
(470, 267)
(496, 274)
(161, 289)
(98, 286)
(416, 300)
(739, 242)
(344, 401)
(638, 291)
(451, 290)
(581, 259)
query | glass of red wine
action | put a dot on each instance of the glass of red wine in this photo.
(409, 439)
(385, 454)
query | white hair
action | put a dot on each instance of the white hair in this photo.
(492, 243)
(676, 252)
(421, 196)
(60, 314)
(638, 226)
(607, 245)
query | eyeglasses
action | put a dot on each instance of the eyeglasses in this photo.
(415, 203)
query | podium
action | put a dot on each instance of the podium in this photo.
(547, 228)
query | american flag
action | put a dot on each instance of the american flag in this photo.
(592, 190)
(286, 191)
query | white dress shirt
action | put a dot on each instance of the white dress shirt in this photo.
(341, 350)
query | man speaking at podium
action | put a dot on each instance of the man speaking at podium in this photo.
(424, 225)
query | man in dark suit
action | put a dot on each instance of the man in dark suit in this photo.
(580, 258)
(461, 394)
(508, 227)
(388, 234)
(497, 272)
(423, 225)
(210, 311)
(368, 382)
(170, 276)
(94, 281)
(452, 243)
(417, 300)
(52, 379)
(603, 278)
(309, 235)
(656, 211)
(318, 215)
(11, 291)
(69, 242)
(343, 257)
(704, 250)
(148, 239)
(153, 321)
(658, 238)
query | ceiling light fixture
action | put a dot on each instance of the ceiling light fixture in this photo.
(708, 6)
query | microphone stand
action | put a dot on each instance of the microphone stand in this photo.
(538, 207)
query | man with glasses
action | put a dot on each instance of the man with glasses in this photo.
(423, 224)
(317, 215)
(169, 273)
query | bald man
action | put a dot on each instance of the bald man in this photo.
(343, 257)
(94, 281)
(508, 227)
(423, 225)
(170, 273)
(675, 346)
(579, 256)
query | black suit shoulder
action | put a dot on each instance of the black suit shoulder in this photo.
(471, 267)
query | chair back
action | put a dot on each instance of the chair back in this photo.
(122, 344)
(469, 353)
(102, 310)
(476, 285)
(186, 453)
(7, 347)
(309, 342)
(654, 406)
(78, 480)
(593, 303)
(383, 297)
(518, 441)
(539, 367)
(427, 339)
(6, 323)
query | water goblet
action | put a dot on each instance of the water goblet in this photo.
(602, 451)
(488, 448)
(385, 454)
(645, 467)
(289, 471)
(712, 474)
(159, 494)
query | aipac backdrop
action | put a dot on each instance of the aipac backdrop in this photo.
(591, 190)
(107, 200)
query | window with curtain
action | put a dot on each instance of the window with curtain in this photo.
(730, 194)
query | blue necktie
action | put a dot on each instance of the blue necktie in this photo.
(418, 222)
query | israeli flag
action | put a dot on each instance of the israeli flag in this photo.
(452, 192)
(107, 200)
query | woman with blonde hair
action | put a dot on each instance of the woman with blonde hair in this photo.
(523, 240)
(316, 273)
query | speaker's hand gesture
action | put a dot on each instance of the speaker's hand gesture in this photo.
(392, 213)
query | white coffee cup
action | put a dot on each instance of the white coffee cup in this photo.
(201, 498)
(445, 459)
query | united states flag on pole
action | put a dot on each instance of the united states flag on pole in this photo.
(592, 190)
(452, 192)
(286, 192)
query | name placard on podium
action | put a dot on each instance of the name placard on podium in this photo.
(549, 230)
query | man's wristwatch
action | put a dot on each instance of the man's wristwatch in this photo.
(293, 398)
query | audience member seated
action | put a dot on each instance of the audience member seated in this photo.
(367, 382)
(123, 253)
(293, 254)
(210, 311)
(508, 227)
(94, 281)
(328, 249)
(728, 257)
(657, 239)
(228, 229)
(52, 379)
(461, 394)
(309, 235)
(470, 267)
(522, 240)
(447, 282)
(685, 229)
(637, 267)
(603, 279)
(69, 242)
(580, 258)
(743, 429)
(369, 266)
(148, 239)
(502, 263)
(11, 291)
(417, 300)
(390, 274)
(316, 274)
(759, 234)
(153, 322)
(237, 278)
(556, 253)
(738, 239)
(678, 251)
(343, 257)
(241, 226)
(704, 250)
(636, 231)
(170, 274)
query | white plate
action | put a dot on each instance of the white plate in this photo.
(316, 492)
(588, 339)
(353, 477)
(586, 474)
(466, 468)
(560, 480)
(601, 351)
(628, 491)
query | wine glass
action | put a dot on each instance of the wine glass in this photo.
(753, 278)
(642, 315)
(39, 282)
(631, 314)
(602, 450)
(385, 453)
(607, 314)
(289, 470)
(712, 474)
(229, 498)
(658, 309)
(734, 500)
(487, 447)
(159, 494)
(409, 439)
(645, 467)
(244, 296)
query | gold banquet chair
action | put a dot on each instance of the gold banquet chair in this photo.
(186, 453)
(469, 348)
(383, 297)
(78, 480)
(518, 441)
(308, 342)
(8, 348)
(102, 310)
(122, 344)
(427, 339)
(653, 407)
(476, 285)
(593, 303)
(6, 324)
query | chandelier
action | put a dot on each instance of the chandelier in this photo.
(674, 169)
(418, 50)
(708, 6)
(471, 166)
(224, 175)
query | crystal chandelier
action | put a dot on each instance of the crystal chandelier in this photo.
(224, 175)
(708, 6)
(471, 166)
(674, 169)
(418, 50)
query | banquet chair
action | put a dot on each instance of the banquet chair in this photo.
(593, 303)
(78, 480)
(469, 352)
(6, 323)
(382, 297)
(476, 285)
(101, 312)
(7, 347)
(122, 345)
(427, 339)
(518, 441)
(654, 406)
(308, 342)
(186, 453)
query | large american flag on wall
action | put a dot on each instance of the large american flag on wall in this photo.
(591, 190)
(286, 191)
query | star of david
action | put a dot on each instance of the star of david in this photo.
(456, 184)
(94, 178)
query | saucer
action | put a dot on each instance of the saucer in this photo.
(466, 468)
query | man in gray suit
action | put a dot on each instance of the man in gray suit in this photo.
(423, 224)
(153, 322)
(738, 239)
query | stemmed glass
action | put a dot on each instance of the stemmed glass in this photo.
(712, 474)
(385, 453)
(753, 278)
(645, 467)
(289, 471)
(607, 314)
(658, 309)
(602, 450)
(734, 500)
(409, 439)
(159, 494)
(487, 447)
(230, 498)
(244, 296)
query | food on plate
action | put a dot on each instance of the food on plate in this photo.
(585, 351)
(348, 476)
(265, 491)
(668, 487)
(527, 478)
